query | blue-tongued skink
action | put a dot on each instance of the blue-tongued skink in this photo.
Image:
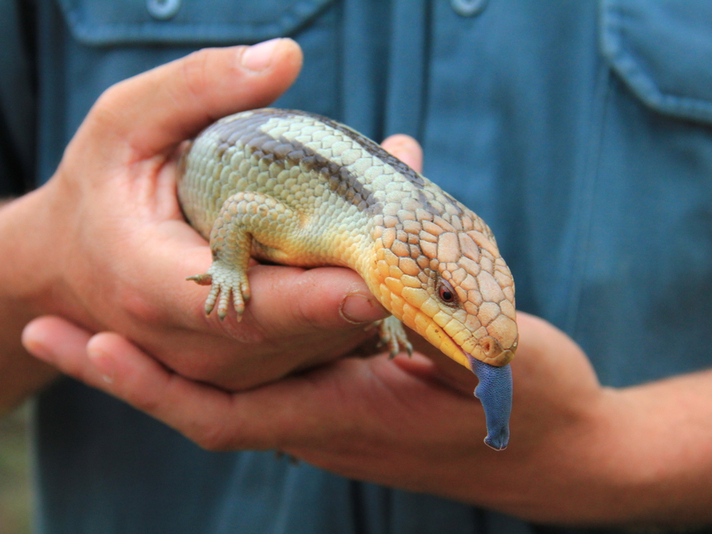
(299, 189)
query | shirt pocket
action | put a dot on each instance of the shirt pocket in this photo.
(662, 50)
(185, 22)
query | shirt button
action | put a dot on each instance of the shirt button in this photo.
(468, 8)
(163, 9)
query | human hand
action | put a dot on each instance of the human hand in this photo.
(126, 250)
(407, 423)
(412, 424)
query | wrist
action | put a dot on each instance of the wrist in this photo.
(28, 289)
(29, 282)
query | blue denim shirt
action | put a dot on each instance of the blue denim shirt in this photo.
(580, 130)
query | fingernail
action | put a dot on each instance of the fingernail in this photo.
(258, 57)
(103, 363)
(34, 343)
(358, 308)
(38, 349)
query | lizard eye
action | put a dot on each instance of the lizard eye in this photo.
(446, 292)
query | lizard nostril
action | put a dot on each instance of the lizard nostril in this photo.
(491, 347)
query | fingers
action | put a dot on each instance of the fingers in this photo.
(52, 338)
(176, 100)
(352, 406)
(108, 362)
(209, 416)
(406, 149)
(296, 319)
(197, 410)
(290, 301)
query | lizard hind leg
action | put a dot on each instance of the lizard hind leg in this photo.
(244, 219)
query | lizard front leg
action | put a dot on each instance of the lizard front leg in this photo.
(246, 220)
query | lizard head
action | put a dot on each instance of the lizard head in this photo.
(447, 281)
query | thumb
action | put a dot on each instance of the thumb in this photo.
(152, 112)
(406, 149)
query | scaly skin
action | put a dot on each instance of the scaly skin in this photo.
(299, 189)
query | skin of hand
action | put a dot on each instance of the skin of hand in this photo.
(104, 244)
(580, 454)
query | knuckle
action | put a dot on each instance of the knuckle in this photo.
(148, 404)
(233, 434)
(105, 114)
(213, 438)
(194, 71)
(306, 315)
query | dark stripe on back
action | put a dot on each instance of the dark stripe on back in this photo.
(247, 132)
(367, 144)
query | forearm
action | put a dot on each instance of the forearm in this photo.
(22, 274)
(661, 461)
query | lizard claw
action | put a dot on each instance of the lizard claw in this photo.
(201, 279)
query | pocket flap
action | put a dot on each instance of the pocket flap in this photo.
(663, 51)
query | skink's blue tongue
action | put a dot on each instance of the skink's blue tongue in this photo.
(495, 393)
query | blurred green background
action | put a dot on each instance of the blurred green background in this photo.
(14, 473)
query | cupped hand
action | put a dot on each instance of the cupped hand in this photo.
(114, 251)
(408, 423)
